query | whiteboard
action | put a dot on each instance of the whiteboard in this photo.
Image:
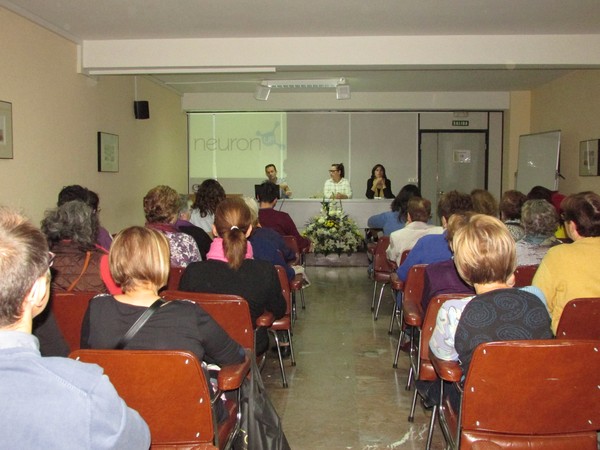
(539, 155)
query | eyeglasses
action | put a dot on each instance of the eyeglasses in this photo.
(332, 171)
(51, 257)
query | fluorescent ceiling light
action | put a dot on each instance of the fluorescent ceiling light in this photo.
(177, 70)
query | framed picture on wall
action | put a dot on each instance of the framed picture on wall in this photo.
(6, 139)
(588, 158)
(108, 152)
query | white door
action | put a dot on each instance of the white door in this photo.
(451, 161)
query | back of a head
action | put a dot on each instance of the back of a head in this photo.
(484, 251)
(539, 218)
(400, 203)
(253, 207)
(70, 193)
(209, 194)
(455, 222)
(540, 193)
(452, 202)
(232, 222)
(511, 203)
(161, 204)
(23, 259)
(484, 202)
(419, 209)
(139, 256)
(268, 192)
(74, 221)
(584, 210)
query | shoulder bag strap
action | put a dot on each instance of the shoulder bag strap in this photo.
(86, 263)
(139, 324)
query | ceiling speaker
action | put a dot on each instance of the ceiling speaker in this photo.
(141, 110)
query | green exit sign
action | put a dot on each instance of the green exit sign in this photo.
(460, 123)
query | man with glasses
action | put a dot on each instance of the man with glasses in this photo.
(51, 403)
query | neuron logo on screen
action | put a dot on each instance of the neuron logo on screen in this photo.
(270, 138)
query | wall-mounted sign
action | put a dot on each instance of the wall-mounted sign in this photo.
(460, 123)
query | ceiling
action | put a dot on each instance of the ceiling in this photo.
(88, 20)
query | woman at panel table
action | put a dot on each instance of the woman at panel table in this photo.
(337, 187)
(378, 186)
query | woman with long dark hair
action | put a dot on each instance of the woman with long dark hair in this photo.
(209, 194)
(231, 269)
(379, 186)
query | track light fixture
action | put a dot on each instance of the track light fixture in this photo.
(342, 89)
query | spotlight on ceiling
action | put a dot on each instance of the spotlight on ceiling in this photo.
(342, 90)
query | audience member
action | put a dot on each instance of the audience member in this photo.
(540, 221)
(71, 230)
(569, 271)
(419, 213)
(139, 262)
(379, 186)
(337, 187)
(209, 194)
(442, 277)
(485, 257)
(395, 219)
(484, 202)
(271, 173)
(434, 247)
(76, 192)
(161, 207)
(49, 402)
(183, 224)
(230, 269)
(267, 244)
(555, 198)
(510, 212)
(279, 221)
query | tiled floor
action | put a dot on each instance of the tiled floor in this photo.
(343, 393)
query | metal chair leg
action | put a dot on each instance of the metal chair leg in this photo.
(374, 294)
(434, 415)
(411, 415)
(379, 301)
(283, 378)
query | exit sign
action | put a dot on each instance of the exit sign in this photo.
(460, 123)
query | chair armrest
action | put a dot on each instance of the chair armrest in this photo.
(265, 319)
(396, 283)
(446, 370)
(393, 265)
(231, 377)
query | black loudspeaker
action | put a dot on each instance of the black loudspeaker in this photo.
(141, 109)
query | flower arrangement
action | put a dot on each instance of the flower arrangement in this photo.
(332, 231)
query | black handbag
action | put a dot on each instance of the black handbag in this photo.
(260, 424)
(139, 324)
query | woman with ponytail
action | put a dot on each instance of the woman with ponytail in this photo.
(231, 269)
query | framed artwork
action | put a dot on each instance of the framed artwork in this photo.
(588, 158)
(108, 152)
(6, 138)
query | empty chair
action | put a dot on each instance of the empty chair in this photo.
(524, 275)
(284, 325)
(580, 319)
(69, 309)
(169, 390)
(524, 395)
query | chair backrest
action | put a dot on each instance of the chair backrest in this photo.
(427, 371)
(285, 288)
(290, 242)
(175, 274)
(380, 261)
(229, 311)
(403, 256)
(535, 393)
(580, 319)
(415, 283)
(524, 275)
(167, 387)
(69, 309)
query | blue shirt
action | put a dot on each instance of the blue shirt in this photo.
(429, 249)
(388, 221)
(59, 403)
